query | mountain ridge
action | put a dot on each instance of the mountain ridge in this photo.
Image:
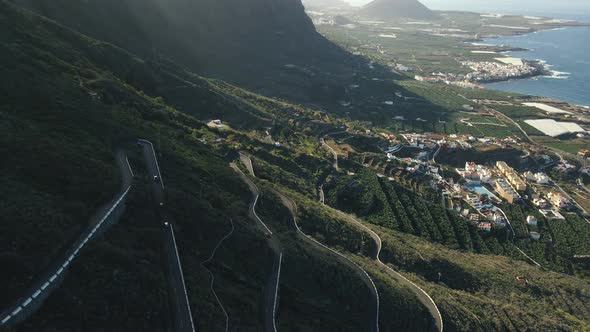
(392, 9)
(229, 39)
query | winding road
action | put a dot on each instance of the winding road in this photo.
(322, 195)
(182, 314)
(292, 207)
(374, 326)
(106, 216)
(210, 259)
(332, 151)
(422, 296)
(271, 290)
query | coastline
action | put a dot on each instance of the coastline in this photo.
(543, 68)
(563, 55)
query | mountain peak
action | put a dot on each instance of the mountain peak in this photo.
(391, 9)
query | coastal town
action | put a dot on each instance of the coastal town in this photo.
(502, 69)
(479, 192)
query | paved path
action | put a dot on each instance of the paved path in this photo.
(322, 195)
(271, 290)
(568, 196)
(107, 215)
(248, 163)
(331, 150)
(292, 207)
(182, 314)
(422, 296)
(212, 276)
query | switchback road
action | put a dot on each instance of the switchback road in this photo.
(271, 290)
(331, 150)
(292, 207)
(422, 296)
(181, 310)
(204, 265)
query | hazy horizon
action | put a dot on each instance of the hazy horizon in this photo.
(524, 6)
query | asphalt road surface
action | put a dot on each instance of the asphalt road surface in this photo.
(422, 296)
(332, 151)
(181, 311)
(110, 213)
(292, 207)
(271, 289)
(212, 276)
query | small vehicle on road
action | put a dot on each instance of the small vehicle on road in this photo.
(156, 179)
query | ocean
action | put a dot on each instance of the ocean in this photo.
(566, 51)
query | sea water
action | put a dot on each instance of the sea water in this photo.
(567, 53)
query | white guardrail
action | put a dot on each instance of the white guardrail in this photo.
(350, 261)
(274, 308)
(181, 275)
(44, 288)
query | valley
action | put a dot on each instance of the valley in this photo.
(285, 179)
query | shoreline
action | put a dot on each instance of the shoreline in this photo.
(544, 69)
(564, 55)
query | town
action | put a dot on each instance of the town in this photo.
(480, 192)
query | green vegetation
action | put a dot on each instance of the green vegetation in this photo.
(399, 309)
(315, 287)
(59, 133)
(384, 203)
(484, 292)
(119, 275)
(70, 101)
(572, 146)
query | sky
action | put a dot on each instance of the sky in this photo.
(506, 6)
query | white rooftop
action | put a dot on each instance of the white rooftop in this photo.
(553, 128)
(511, 61)
(547, 108)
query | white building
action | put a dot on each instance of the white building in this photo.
(470, 167)
(531, 220)
(542, 178)
(485, 226)
(529, 176)
(540, 202)
(477, 172)
(485, 175)
(558, 200)
(497, 218)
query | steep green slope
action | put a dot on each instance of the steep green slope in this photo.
(475, 289)
(474, 292)
(245, 42)
(65, 109)
(66, 105)
(68, 102)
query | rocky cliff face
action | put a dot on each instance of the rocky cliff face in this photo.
(392, 9)
(230, 39)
